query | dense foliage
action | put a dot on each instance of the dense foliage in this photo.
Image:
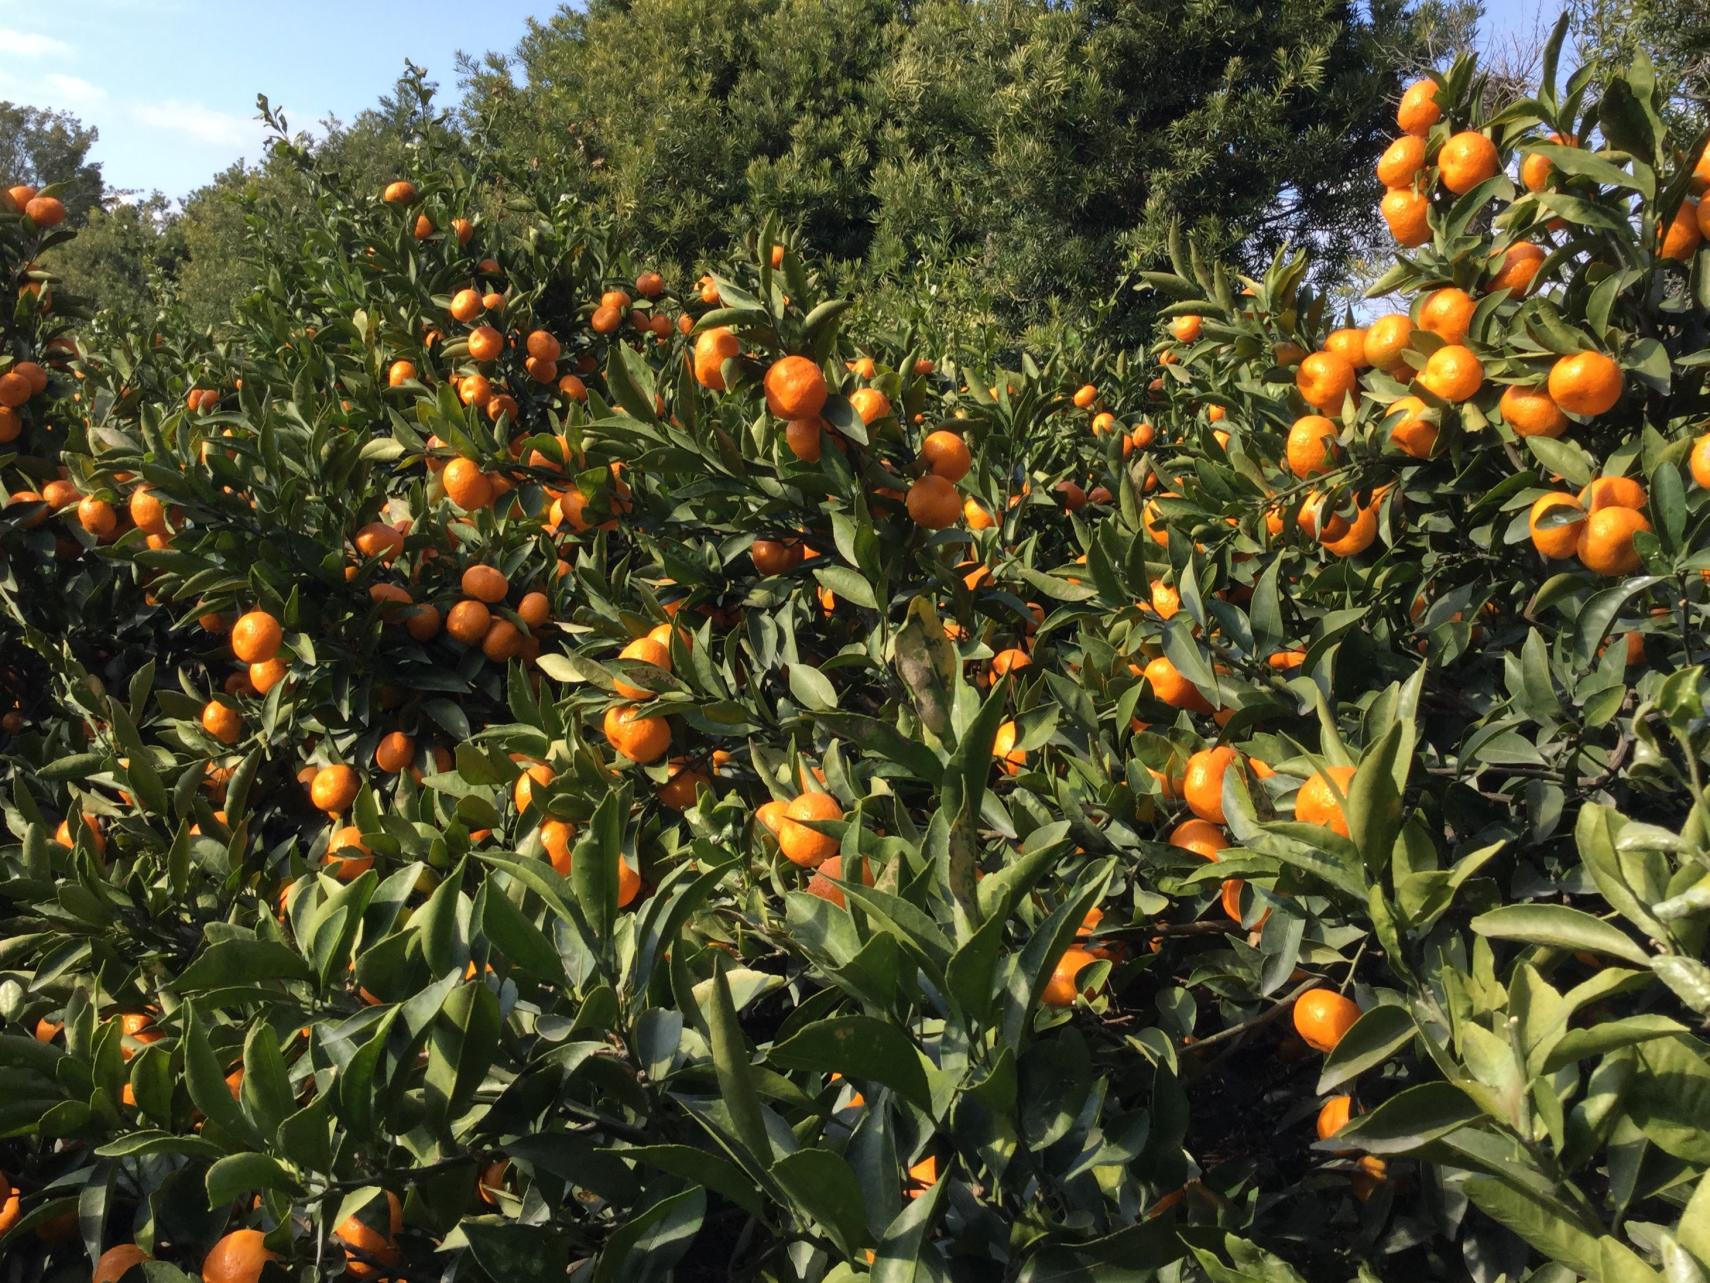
(515, 766)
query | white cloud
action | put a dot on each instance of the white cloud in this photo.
(29, 44)
(74, 91)
(203, 124)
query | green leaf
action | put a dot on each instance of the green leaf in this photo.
(238, 1175)
(648, 1244)
(822, 1185)
(697, 1165)
(1559, 927)
(859, 1047)
(1377, 1035)
(812, 689)
(1541, 1222)
(1606, 1036)
(730, 1062)
(230, 963)
(1407, 1121)
(898, 1258)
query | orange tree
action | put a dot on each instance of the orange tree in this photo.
(625, 776)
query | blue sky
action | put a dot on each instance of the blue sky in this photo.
(171, 84)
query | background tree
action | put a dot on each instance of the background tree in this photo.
(39, 147)
(1026, 155)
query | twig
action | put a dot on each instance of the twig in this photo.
(1263, 1018)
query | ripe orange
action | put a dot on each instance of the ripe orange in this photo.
(1408, 215)
(468, 622)
(795, 388)
(485, 583)
(465, 305)
(367, 1248)
(45, 211)
(334, 788)
(267, 674)
(237, 1258)
(256, 637)
(1008, 661)
(1419, 110)
(1606, 541)
(1349, 343)
(1447, 313)
(1699, 462)
(1322, 1017)
(606, 319)
(932, 502)
(1333, 1117)
(804, 438)
(377, 539)
(870, 403)
(1416, 434)
(555, 838)
(801, 844)
(946, 454)
(97, 517)
(712, 349)
(1386, 339)
(1466, 160)
(1202, 786)
(1401, 161)
(1311, 446)
(522, 792)
(1171, 688)
(1453, 373)
(1085, 396)
(466, 485)
(1201, 837)
(823, 884)
(1553, 540)
(111, 1267)
(1187, 328)
(394, 752)
(776, 556)
(1681, 238)
(1518, 268)
(222, 721)
(977, 517)
(401, 192)
(1317, 804)
(1531, 412)
(1010, 759)
(1585, 383)
(1324, 379)
(1612, 492)
(1356, 538)
(1060, 990)
(640, 739)
(643, 650)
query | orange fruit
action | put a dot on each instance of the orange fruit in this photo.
(1517, 268)
(1348, 343)
(1010, 759)
(256, 637)
(1557, 541)
(801, 844)
(1322, 1017)
(804, 438)
(932, 502)
(45, 211)
(1418, 110)
(1009, 661)
(1386, 339)
(485, 343)
(795, 388)
(1606, 541)
(1586, 383)
(468, 622)
(1416, 434)
(643, 650)
(1531, 412)
(394, 752)
(1453, 373)
(1612, 492)
(522, 792)
(870, 403)
(1324, 379)
(1681, 238)
(222, 721)
(1333, 1117)
(1201, 837)
(640, 739)
(1466, 160)
(1311, 447)
(977, 517)
(1356, 538)
(712, 349)
(1202, 786)
(466, 305)
(367, 1248)
(1401, 161)
(1447, 313)
(1085, 395)
(1699, 461)
(1060, 990)
(334, 788)
(555, 839)
(113, 1263)
(1171, 688)
(946, 454)
(1317, 804)
(466, 485)
(485, 584)
(1408, 216)
(1187, 328)
(401, 192)
(237, 1258)
(775, 556)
